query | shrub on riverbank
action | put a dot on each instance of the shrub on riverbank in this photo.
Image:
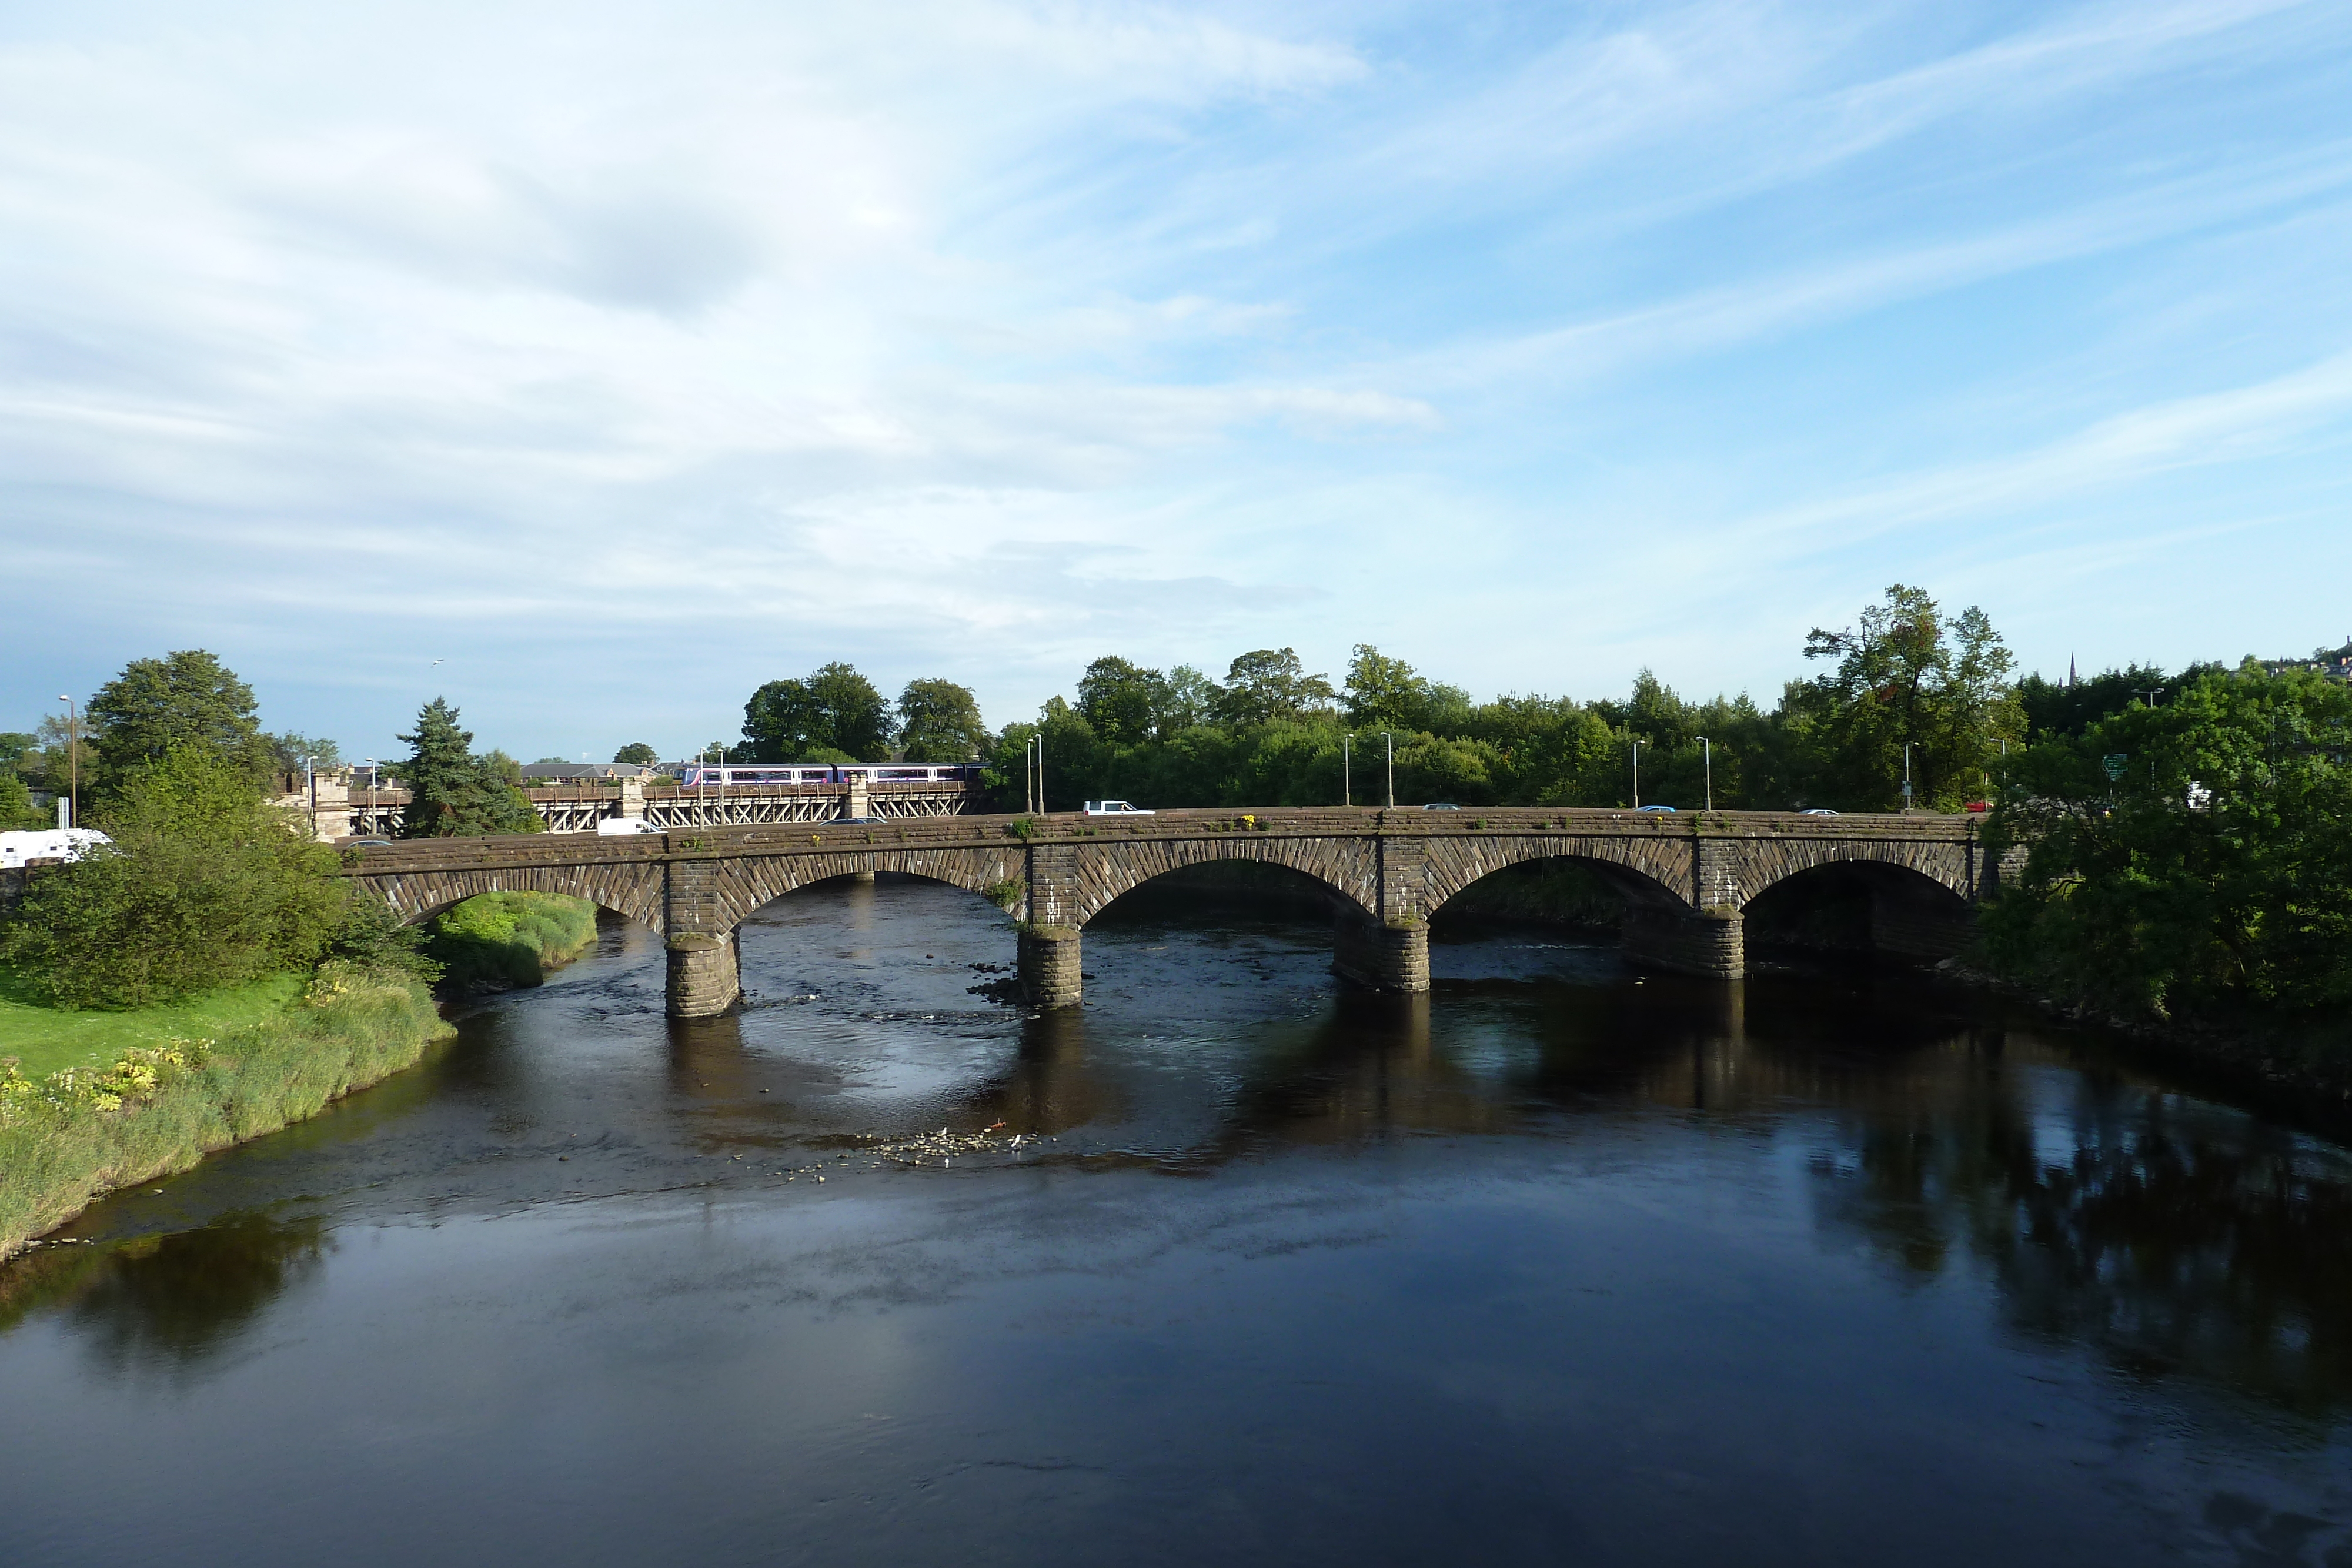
(203, 885)
(69, 1137)
(511, 938)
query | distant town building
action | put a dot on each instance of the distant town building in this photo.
(2335, 664)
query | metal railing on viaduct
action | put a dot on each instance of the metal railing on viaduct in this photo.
(577, 809)
(1686, 879)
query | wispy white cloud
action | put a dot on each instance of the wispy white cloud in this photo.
(977, 334)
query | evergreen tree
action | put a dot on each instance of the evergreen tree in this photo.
(452, 792)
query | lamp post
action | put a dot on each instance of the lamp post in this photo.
(1637, 773)
(1391, 742)
(310, 792)
(1906, 778)
(1707, 761)
(370, 831)
(73, 761)
(1347, 786)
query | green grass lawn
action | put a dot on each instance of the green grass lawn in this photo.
(45, 1039)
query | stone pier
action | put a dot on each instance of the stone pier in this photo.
(1710, 942)
(1048, 965)
(1382, 955)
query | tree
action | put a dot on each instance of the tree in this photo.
(452, 792)
(183, 699)
(1383, 692)
(1906, 675)
(1187, 699)
(1122, 700)
(2189, 855)
(289, 750)
(939, 721)
(17, 808)
(835, 707)
(637, 752)
(14, 745)
(1270, 683)
(203, 885)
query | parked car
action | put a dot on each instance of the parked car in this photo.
(1817, 811)
(1978, 805)
(611, 827)
(1115, 808)
(1660, 811)
(1440, 806)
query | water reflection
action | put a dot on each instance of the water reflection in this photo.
(170, 1301)
(1935, 1144)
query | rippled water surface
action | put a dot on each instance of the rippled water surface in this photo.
(1558, 1264)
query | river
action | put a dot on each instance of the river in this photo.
(1561, 1264)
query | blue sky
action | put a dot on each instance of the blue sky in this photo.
(622, 359)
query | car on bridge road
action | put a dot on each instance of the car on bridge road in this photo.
(1440, 806)
(1655, 810)
(1817, 811)
(1116, 809)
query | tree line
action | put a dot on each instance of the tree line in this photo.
(1908, 692)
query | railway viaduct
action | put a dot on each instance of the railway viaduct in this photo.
(1685, 878)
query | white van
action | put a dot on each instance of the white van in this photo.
(1114, 809)
(611, 827)
(47, 845)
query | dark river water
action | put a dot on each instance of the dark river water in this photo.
(1558, 1264)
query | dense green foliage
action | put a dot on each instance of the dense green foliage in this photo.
(836, 710)
(151, 1110)
(1274, 734)
(637, 752)
(453, 793)
(511, 938)
(2189, 857)
(939, 721)
(187, 701)
(17, 808)
(202, 885)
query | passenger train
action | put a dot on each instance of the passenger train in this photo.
(703, 776)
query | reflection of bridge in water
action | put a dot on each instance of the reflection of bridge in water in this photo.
(1685, 880)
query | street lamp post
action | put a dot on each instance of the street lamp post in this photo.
(1906, 778)
(73, 761)
(370, 831)
(1707, 761)
(1347, 785)
(1391, 767)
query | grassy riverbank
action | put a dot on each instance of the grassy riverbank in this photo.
(502, 939)
(142, 1111)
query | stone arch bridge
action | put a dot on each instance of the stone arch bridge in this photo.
(1686, 878)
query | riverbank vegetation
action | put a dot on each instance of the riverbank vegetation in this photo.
(500, 939)
(2189, 867)
(69, 1136)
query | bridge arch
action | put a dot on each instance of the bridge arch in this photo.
(1950, 866)
(1650, 873)
(744, 886)
(1348, 868)
(634, 892)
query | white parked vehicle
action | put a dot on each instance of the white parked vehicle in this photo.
(1115, 808)
(610, 827)
(47, 845)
